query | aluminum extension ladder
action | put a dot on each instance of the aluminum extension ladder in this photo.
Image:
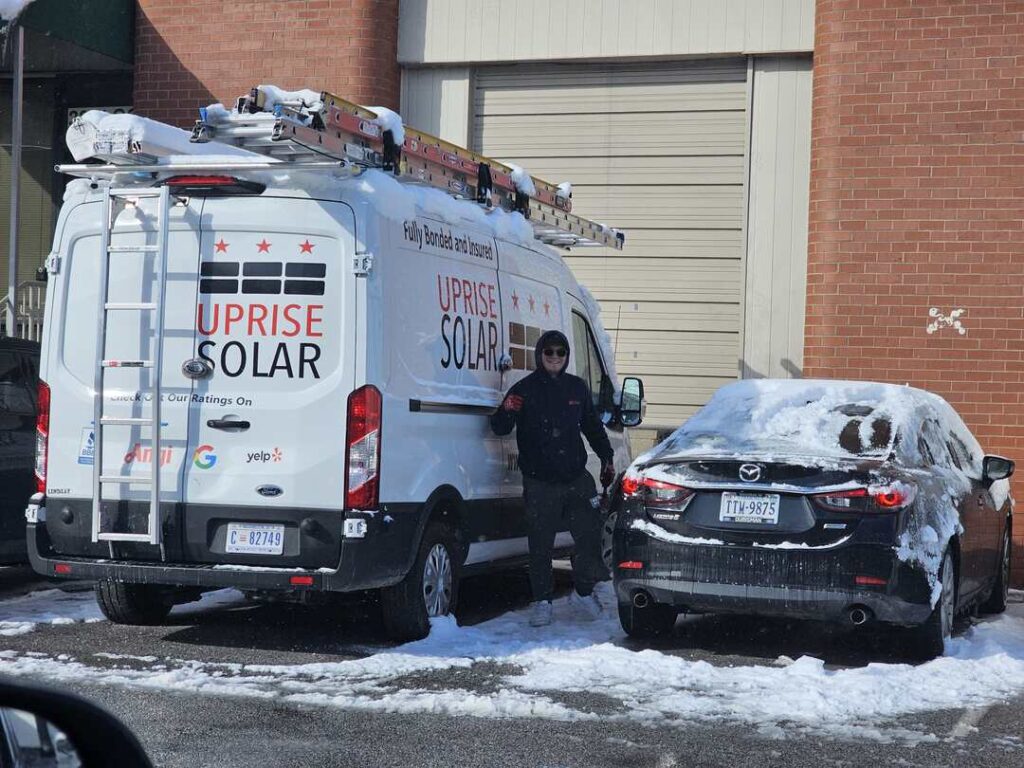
(346, 131)
(111, 207)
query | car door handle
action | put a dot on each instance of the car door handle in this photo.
(227, 424)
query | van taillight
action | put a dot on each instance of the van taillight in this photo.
(213, 186)
(42, 435)
(362, 454)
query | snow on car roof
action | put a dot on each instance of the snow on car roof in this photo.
(803, 417)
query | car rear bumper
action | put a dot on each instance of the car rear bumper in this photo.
(796, 583)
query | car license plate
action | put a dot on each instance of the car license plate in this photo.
(255, 538)
(757, 509)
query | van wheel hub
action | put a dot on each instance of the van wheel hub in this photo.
(437, 581)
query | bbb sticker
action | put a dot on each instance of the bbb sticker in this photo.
(87, 447)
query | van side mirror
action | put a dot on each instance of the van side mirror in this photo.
(996, 468)
(632, 404)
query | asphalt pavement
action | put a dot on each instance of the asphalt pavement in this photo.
(180, 728)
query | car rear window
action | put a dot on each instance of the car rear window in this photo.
(807, 419)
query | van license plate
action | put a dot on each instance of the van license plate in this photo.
(758, 509)
(255, 538)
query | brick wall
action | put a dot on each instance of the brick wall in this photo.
(190, 53)
(917, 201)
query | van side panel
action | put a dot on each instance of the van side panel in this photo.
(441, 346)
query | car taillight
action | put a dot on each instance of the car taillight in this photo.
(878, 498)
(362, 454)
(655, 493)
(42, 435)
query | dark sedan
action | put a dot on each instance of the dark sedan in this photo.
(846, 502)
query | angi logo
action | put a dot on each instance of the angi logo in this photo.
(204, 457)
(140, 455)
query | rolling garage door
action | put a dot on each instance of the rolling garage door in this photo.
(657, 150)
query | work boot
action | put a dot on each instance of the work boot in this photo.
(587, 606)
(540, 613)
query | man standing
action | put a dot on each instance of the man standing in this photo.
(549, 409)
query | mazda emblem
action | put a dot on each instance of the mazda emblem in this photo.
(750, 473)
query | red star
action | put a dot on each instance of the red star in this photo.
(306, 247)
(264, 246)
(515, 300)
(547, 308)
(532, 302)
(221, 246)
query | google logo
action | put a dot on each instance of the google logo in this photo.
(204, 457)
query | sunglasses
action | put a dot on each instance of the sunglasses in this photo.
(560, 352)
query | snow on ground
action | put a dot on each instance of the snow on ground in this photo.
(537, 673)
(21, 615)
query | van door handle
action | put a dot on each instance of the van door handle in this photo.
(227, 424)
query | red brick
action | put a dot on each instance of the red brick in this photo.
(198, 52)
(916, 201)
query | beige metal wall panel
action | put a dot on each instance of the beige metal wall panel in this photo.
(654, 170)
(436, 100)
(776, 273)
(490, 31)
(659, 150)
(654, 133)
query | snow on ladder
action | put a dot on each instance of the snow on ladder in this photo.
(152, 422)
(340, 129)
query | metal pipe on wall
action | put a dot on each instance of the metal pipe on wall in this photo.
(18, 37)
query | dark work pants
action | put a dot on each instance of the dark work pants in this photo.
(549, 506)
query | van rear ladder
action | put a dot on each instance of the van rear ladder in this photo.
(113, 201)
(342, 130)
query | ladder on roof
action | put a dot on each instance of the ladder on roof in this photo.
(345, 131)
(113, 200)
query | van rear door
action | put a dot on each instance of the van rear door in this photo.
(131, 335)
(268, 414)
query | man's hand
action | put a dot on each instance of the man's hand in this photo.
(607, 473)
(513, 403)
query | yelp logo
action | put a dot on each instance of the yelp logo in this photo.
(204, 457)
(264, 457)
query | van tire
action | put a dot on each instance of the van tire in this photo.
(136, 604)
(404, 605)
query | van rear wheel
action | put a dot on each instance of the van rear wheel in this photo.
(133, 603)
(430, 589)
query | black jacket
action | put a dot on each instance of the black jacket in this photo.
(556, 410)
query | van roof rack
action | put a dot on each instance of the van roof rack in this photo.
(298, 128)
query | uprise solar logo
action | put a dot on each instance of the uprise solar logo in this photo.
(204, 457)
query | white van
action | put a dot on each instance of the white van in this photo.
(330, 354)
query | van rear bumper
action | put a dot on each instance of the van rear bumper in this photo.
(364, 564)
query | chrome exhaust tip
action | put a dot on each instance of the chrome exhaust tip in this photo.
(641, 599)
(859, 615)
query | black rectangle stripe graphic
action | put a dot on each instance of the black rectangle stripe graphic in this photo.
(299, 269)
(218, 268)
(261, 269)
(218, 286)
(261, 286)
(304, 287)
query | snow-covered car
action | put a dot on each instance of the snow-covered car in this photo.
(847, 502)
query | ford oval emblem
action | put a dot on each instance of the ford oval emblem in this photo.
(196, 368)
(270, 491)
